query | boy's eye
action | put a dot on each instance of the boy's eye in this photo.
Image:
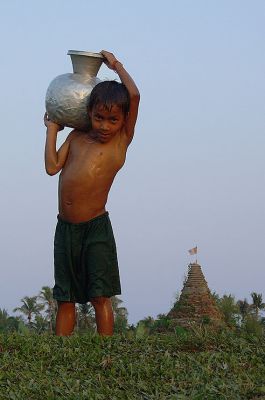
(113, 119)
(98, 117)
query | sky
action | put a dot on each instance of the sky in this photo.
(194, 173)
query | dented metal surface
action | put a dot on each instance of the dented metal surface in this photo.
(68, 94)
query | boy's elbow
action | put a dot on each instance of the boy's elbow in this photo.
(51, 167)
(51, 171)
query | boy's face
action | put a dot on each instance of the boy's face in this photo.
(106, 123)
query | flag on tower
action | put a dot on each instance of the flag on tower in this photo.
(193, 250)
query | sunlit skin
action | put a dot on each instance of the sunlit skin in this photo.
(93, 160)
(88, 162)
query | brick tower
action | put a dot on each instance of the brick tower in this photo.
(196, 304)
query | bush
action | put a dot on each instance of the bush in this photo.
(252, 326)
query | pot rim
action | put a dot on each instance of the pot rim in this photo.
(84, 53)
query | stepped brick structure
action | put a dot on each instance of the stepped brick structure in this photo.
(196, 304)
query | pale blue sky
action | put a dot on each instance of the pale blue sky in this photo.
(194, 173)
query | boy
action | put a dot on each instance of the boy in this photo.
(85, 259)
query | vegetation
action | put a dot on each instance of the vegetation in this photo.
(198, 364)
(38, 314)
(153, 360)
(237, 315)
(257, 303)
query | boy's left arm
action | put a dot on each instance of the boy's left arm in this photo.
(134, 94)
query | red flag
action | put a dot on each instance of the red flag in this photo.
(193, 250)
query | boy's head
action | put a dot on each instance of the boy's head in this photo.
(108, 108)
(108, 94)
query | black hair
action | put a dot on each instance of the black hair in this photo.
(109, 93)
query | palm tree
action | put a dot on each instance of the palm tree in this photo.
(85, 316)
(115, 301)
(229, 308)
(7, 323)
(216, 297)
(40, 324)
(117, 310)
(29, 307)
(257, 304)
(148, 322)
(3, 320)
(120, 315)
(243, 308)
(46, 297)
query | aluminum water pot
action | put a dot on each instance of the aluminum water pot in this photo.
(68, 94)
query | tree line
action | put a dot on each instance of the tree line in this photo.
(237, 315)
(38, 313)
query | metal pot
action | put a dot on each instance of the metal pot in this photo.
(68, 94)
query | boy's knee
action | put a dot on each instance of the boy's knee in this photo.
(100, 301)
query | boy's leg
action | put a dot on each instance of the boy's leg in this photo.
(104, 315)
(65, 318)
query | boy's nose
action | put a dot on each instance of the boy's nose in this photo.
(104, 126)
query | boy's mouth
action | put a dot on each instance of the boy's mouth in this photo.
(104, 136)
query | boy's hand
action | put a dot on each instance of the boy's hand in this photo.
(49, 124)
(109, 59)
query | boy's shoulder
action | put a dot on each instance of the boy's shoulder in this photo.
(72, 135)
(75, 136)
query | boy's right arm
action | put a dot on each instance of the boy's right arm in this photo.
(112, 62)
(54, 160)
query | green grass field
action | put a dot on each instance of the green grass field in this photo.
(196, 365)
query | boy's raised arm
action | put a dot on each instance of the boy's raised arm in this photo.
(54, 160)
(113, 63)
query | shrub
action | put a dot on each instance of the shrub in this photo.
(252, 326)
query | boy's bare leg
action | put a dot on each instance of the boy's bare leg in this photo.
(65, 318)
(104, 315)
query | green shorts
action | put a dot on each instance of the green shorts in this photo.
(85, 260)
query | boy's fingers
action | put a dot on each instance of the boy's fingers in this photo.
(106, 53)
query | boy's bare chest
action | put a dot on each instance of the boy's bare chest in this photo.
(91, 157)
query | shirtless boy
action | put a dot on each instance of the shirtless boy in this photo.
(85, 260)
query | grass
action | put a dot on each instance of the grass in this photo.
(198, 365)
